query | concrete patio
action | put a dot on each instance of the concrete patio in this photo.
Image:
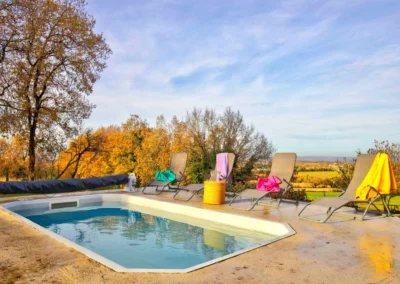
(341, 251)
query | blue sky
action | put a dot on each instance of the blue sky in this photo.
(316, 77)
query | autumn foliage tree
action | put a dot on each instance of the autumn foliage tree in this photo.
(50, 57)
(13, 162)
(135, 146)
(85, 147)
(211, 133)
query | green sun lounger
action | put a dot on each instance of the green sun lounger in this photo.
(177, 165)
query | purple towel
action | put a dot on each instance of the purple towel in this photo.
(222, 166)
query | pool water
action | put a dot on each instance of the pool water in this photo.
(135, 239)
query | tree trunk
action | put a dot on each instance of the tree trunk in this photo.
(76, 166)
(31, 151)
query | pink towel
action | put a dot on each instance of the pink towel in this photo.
(270, 183)
(222, 166)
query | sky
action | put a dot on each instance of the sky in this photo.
(316, 77)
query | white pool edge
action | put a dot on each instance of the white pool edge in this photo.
(177, 208)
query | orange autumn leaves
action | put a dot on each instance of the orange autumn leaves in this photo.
(134, 146)
(13, 162)
(131, 147)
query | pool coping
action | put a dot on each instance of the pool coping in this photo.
(175, 207)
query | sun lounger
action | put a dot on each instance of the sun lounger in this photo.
(177, 165)
(197, 188)
(283, 168)
(362, 167)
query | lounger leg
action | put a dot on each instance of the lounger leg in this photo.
(174, 188)
(280, 198)
(255, 203)
(248, 209)
(194, 193)
(177, 193)
(369, 205)
(377, 208)
(329, 216)
(157, 192)
(297, 199)
(283, 194)
(303, 209)
(233, 199)
(329, 212)
(386, 206)
(366, 210)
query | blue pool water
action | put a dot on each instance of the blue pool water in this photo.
(137, 240)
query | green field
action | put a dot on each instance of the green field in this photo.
(318, 174)
(315, 195)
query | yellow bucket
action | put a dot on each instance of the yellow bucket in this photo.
(214, 192)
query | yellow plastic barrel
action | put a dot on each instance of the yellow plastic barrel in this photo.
(214, 192)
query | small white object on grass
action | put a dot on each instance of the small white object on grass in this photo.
(132, 180)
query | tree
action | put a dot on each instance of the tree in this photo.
(212, 134)
(5, 165)
(13, 164)
(50, 143)
(50, 57)
(153, 152)
(393, 150)
(346, 171)
(88, 143)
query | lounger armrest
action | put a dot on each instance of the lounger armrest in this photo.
(376, 191)
(288, 183)
(205, 176)
(183, 177)
(222, 176)
(343, 190)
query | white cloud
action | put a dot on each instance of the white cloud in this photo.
(298, 70)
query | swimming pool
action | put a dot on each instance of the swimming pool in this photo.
(132, 234)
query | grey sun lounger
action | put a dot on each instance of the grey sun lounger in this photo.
(363, 164)
(177, 165)
(196, 188)
(283, 168)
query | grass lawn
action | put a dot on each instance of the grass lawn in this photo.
(311, 195)
(319, 174)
